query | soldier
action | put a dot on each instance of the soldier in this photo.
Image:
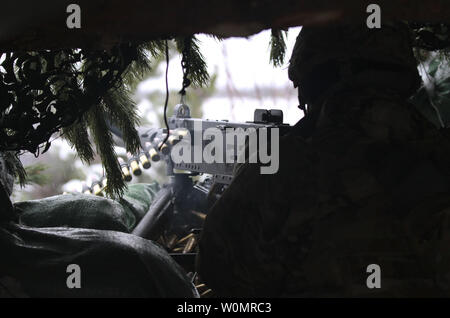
(363, 180)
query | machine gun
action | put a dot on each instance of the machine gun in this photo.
(176, 215)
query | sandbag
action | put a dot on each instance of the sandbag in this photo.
(35, 261)
(88, 211)
(112, 264)
(75, 210)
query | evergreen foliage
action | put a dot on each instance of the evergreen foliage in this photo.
(277, 47)
(195, 62)
(35, 174)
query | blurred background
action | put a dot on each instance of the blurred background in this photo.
(242, 79)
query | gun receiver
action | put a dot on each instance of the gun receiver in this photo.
(182, 125)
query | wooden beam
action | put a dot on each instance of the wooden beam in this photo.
(30, 24)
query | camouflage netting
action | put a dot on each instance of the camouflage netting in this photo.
(367, 183)
(42, 92)
(76, 92)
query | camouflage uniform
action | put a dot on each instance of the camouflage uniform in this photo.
(363, 179)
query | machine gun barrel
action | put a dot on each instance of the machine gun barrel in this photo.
(150, 225)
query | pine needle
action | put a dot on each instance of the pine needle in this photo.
(78, 138)
(198, 71)
(105, 147)
(122, 112)
(277, 47)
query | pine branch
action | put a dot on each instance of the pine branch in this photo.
(122, 112)
(140, 66)
(216, 37)
(78, 138)
(36, 175)
(105, 147)
(198, 71)
(155, 48)
(277, 47)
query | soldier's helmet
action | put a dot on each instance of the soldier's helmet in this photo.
(326, 57)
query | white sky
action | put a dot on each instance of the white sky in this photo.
(241, 65)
